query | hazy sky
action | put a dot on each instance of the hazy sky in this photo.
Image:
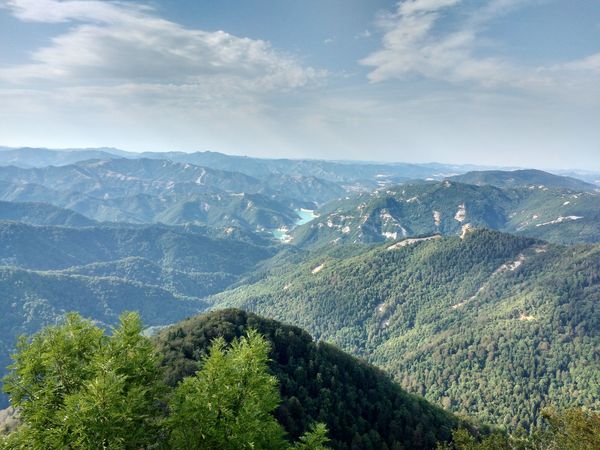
(506, 82)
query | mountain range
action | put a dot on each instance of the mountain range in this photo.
(447, 207)
(475, 289)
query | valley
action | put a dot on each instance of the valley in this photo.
(476, 292)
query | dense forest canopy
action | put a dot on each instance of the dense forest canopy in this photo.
(492, 325)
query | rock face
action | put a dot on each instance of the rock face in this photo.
(8, 420)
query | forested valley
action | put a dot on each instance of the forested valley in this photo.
(208, 301)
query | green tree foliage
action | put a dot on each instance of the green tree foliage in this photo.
(317, 383)
(76, 387)
(228, 403)
(571, 429)
(492, 325)
(315, 439)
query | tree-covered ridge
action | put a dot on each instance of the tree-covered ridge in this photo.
(524, 178)
(42, 214)
(361, 406)
(104, 270)
(144, 190)
(492, 325)
(75, 387)
(425, 208)
(188, 249)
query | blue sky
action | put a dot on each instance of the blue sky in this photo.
(500, 82)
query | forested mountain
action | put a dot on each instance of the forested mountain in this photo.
(426, 208)
(524, 178)
(361, 406)
(42, 214)
(152, 190)
(492, 325)
(178, 248)
(407, 276)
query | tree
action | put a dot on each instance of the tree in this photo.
(315, 439)
(572, 429)
(228, 404)
(76, 387)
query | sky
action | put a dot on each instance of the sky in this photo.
(492, 82)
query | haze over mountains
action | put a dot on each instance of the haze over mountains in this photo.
(474, 288)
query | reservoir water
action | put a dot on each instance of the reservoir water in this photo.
(305, 216)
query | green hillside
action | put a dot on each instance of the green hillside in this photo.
(361, 406)
(42, 214)
(35, 299)
(179, 248)
(492, 325)
(182, 282)
(425, 208)
(524, 178)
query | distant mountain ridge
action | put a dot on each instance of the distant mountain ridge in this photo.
(524, 178)
(150, 190)
(425, 208)
(366, 174)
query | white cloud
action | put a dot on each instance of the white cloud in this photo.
(410, 7)
(588, 64)
(116, 42)
(411, 46)
(414, 43)
(365, 34)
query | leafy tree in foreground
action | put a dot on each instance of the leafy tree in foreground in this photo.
(228, 404)
(76, 387)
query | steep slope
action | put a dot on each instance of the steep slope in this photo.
(361, 406)
(491, 325)
(425, 208)
(524, 178)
